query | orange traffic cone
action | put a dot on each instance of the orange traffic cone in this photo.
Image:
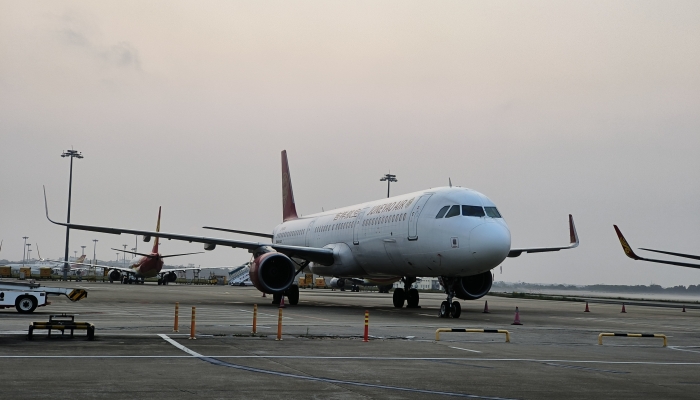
(587, 310)
(486, 307)
(517, 317)
(282, 303)
(683, 308)
(623, 309)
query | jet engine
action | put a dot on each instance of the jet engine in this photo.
(473, 287)
(272, 272)
(115, 275)
(338, 283)
(170, 277)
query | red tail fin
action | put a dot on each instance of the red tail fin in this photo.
(289, 209)
(155, 243)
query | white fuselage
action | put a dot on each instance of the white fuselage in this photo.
(402, 236)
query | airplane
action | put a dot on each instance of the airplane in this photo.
(631, 254)
(146, 266)
(453, 233)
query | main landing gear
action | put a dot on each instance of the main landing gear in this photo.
(449, 308)
(292, 294)
(407, 294)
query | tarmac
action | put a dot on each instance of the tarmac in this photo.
(555, 353)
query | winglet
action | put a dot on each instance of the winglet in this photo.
(573, 236)
(46, 206)
(289, 209)
(625, 246)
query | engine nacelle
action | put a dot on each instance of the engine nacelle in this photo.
(115, 275)
(473, 287)
(170, 277)
(337, 283)
(272, 272)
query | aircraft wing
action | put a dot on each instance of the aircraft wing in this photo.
(573, 243)
(126, 269)
(631, 254)
(317, 255)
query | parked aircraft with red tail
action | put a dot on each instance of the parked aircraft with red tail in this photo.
(453, 233)
(146, 265)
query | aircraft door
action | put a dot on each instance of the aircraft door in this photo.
(413, 217)
(358, 226)
(310, 233)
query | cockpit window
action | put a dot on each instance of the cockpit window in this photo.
(492, 212)
(454, 211)
(472, 211)
(442, 212)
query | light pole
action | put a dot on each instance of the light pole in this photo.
(28, 250)
(124, 253)
(388, 178)
(29, 254)
(75, 255)
(24, 248)
(117, 257)
(72, 154)
(83, 249)
(94, 252)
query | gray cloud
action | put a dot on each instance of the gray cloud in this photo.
(78, 32)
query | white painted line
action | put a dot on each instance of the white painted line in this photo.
(459, 348)
(679, 349)
(179, 346)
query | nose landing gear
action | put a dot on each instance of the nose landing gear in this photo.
(449, 308)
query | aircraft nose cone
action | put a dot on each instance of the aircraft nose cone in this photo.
(490, 244)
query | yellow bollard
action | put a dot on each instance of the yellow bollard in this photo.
(177, 311)
(255, 318)
(279, 325)
(192, 329)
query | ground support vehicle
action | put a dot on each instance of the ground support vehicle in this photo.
(27, 296)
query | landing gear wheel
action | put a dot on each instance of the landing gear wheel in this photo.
(125, 280)
(26, 304)
(293, 295)
(456, 309)
(444, 310)
(412, 298)
(399, 297)
(277, 298)
(160, 282)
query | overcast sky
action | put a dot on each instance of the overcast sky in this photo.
(549, 108)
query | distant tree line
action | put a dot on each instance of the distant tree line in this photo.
(680, 289)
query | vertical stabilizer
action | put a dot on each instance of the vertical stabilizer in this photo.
(289, 209)
(155, 243)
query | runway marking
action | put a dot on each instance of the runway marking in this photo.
(306, 316)
(259, 313)
(214, 361)
(679, 349)
(586, 368)
(459, 348)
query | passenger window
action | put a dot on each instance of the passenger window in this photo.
(473, 211)
(442, 212)
(454, 211)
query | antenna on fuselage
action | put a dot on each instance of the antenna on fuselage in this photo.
(450, 180)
